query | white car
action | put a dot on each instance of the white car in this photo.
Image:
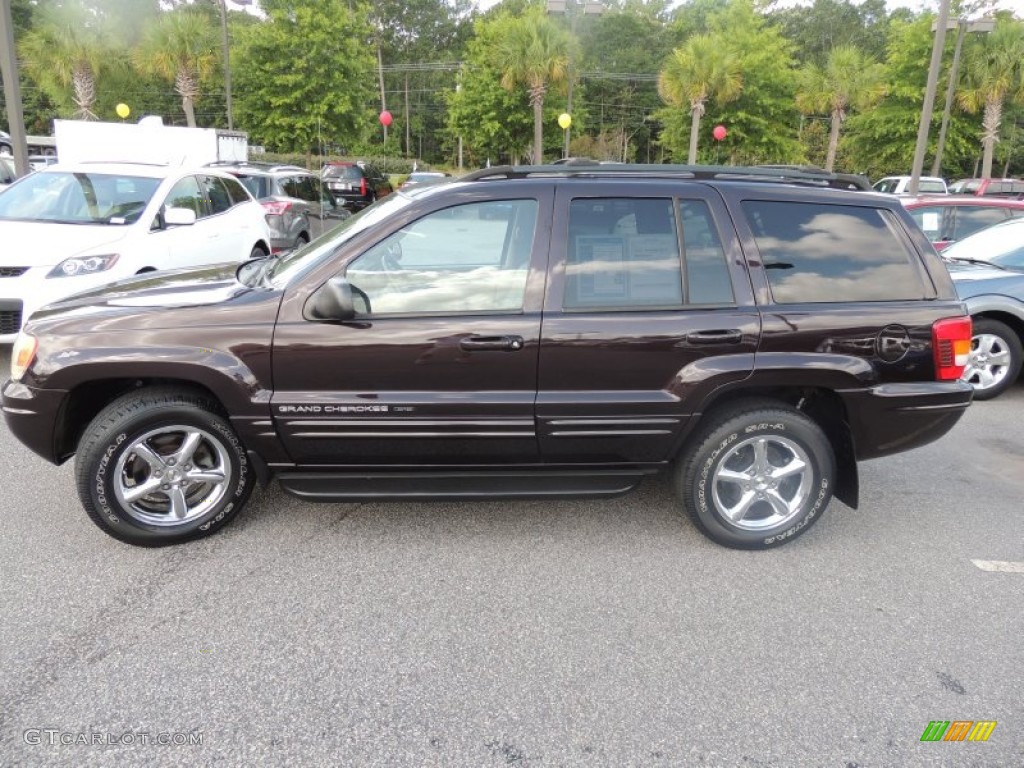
(71, 228)
(7, 174)
(900, 185)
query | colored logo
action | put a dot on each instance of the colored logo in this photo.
(958, 730)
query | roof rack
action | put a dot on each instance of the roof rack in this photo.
(784, 174)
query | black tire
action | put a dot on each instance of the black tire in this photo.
(258, 252)
(729, 444)
(110, 465)
(995, 361)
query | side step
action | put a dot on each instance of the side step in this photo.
(467, 486)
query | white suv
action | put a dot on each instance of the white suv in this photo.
(75, 227)
(900, 185)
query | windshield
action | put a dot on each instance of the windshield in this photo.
(78, 198)
(298, 261)
(999, 244)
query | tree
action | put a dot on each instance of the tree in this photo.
(492, 121)
(303, 74)
(993, 75)
(849, 80)
(180, 45)
(705, 67)
(535, 53)
(65, 49)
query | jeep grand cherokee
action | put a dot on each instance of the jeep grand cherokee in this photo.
(536, 332)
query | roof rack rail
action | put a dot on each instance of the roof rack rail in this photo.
(783, 174)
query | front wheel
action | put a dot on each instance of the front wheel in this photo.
(757, 477)
(995, 359)
(161, 466)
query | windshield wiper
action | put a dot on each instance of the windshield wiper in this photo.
(979, 262)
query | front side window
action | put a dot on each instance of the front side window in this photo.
(469, 258)
(186, 194)
(832, 253)
(216, 194)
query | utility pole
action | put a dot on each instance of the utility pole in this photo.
(12, 89)
(227, 60)
(984, 25)
(929, 97)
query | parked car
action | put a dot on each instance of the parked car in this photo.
(754, 333)
(948, 218)
(423, 177)
(357, 184)
(1001, 245)
(7, 172)
(70, 228)
(989, 187)
(899, 185)
(6, 147)
(298, 206)
(38, 162)
(995, 299)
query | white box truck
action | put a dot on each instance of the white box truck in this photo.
(148, 141)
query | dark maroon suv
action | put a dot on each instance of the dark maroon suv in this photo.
(524, 332)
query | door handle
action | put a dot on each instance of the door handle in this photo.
(502, 343)
(729, 336)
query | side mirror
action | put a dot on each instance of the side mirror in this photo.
(333, 301)
(179, 217)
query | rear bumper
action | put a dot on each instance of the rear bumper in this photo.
(892, 418)
(31, 415)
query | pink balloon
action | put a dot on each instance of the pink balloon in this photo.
(385, 118)
(719, 132)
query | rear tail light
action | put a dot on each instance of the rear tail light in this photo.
(951, 346)
(362, 186)
(275, 208)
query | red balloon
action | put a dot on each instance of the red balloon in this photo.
(385, 118)
(719, 132)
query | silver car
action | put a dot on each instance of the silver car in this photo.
(7, 174)
(298, 207)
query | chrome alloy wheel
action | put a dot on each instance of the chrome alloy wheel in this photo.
(172, 475)
(762, 482)
(988, 363)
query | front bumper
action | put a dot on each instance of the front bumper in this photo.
(32, 415)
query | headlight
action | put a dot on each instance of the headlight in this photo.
(22, 354)
(84, 265)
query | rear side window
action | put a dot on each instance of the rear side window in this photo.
(623, 254)
(933, 221)
(238, 194)
(832, 253)
(970, 219)
(257, 185)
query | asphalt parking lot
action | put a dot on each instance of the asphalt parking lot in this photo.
(524, 634)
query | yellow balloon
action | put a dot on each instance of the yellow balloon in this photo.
(122, 111)
(564, 121)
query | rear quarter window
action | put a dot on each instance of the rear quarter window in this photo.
(814, 252)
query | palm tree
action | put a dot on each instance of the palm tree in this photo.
(993, 74)
(849, 80)
(66, 51)
(534, 52)
(180, 45)
(704, 68)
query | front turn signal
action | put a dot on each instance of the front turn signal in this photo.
(22, 354)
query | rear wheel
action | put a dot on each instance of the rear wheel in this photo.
(995, 359)
(161, 466)
(757, 476)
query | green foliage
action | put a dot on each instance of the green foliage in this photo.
(829, 24)
(302, 75)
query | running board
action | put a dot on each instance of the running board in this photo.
(452, 486)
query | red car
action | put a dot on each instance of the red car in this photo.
(948, 218)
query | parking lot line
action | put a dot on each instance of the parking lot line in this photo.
(999, 565)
